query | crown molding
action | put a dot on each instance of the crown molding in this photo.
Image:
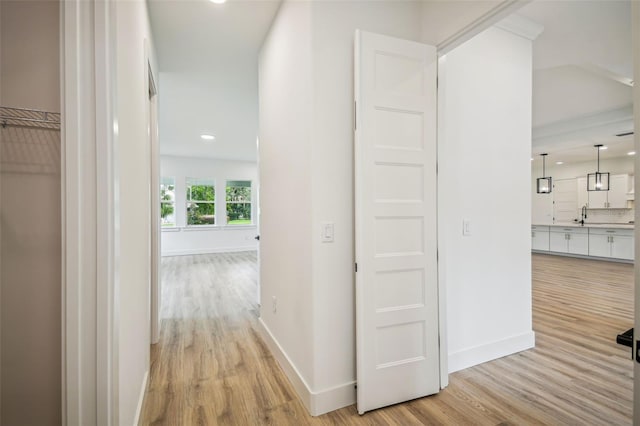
(519, 25)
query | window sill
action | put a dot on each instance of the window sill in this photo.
(196, 228)
(170, 229)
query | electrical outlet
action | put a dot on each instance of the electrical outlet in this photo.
(274, 304)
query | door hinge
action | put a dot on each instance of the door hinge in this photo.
(356, 266)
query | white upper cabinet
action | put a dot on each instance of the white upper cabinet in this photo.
(617, 196)
(565, 200)
(614, 198)
(583, 194)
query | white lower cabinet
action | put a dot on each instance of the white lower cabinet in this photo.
(540, 238)
(569, 240)
(611, 242)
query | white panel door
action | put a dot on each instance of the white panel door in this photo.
(396, 240)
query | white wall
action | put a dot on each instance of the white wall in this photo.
(133, 164)
(208, 239)
(306, 148)
(542, 204)
(334, 25)
(286, 107)
(484, 172)
(30, 218)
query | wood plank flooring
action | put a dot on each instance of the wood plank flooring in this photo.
(211, 367)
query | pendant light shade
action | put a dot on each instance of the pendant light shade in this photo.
(598, 181)
(544, 184)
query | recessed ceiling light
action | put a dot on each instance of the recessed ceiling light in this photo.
(602, 148)
(631, 153)
(532, 159)
(218, 1)
(559, 163)
(208, 137)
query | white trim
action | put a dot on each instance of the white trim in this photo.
(480, 354)
(188, 252)
(316, 403)
(442, 242)
(635, 19)
(143, 391)
(521, 26)
(155, 234)
(191, 228)
(492, 17)
(89, 279)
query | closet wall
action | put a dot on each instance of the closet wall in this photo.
(30, 218)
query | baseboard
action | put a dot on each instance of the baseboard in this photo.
(488, 352)
(143, 391)
(318, 402)
(189, 252)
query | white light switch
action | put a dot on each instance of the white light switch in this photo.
(327, 232)
(466, 227)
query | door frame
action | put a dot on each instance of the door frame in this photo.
(90, 210)
(154, 198)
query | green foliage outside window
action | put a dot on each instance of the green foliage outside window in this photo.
(167, 202)
(238, 198)
(201, 208)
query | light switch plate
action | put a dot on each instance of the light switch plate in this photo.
(466, 228)
(327, 231)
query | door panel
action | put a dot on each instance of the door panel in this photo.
(396, 241)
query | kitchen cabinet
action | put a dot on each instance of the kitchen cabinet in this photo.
(583, 194)
(569, 240)
(540, 238)
(565, 200)
(611, 242)
(617, 196)
(614, 198)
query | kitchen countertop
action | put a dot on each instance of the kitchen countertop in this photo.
(591, 225)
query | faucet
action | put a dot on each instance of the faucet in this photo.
(583, 214)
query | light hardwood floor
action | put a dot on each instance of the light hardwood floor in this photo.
(211, 366)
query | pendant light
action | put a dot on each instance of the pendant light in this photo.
(544, 183)
(598, 181)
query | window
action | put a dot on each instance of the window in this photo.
(201, 206)
(238, 202)
(168, 201)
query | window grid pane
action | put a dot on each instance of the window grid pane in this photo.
(201, 207)
(167, 201)
(238, 200)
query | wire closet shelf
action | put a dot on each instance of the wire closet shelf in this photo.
(31, 118)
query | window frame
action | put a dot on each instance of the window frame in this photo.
(191, 181)
(249, 201)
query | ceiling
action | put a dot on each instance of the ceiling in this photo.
(208, 58)
(582, 93)
(198, 35)
(208, 83)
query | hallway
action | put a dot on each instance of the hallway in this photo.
(211, 366)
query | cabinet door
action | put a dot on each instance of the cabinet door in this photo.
(597, 199)
(558, 242)
(579, 244)
(599, 245)
(540, 240)
(565, 201)
(618, 188)
(622, 247)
